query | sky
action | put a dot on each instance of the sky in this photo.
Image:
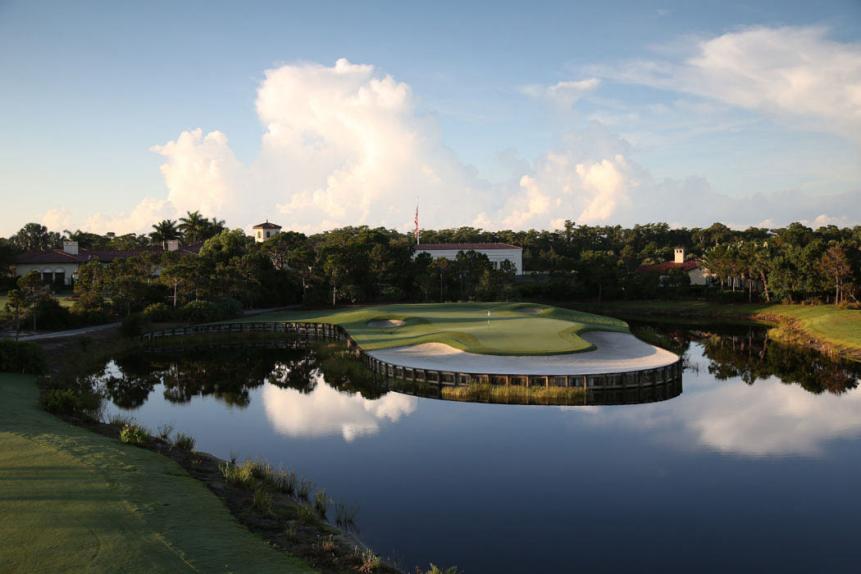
(497, 115)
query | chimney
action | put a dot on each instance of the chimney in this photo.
(173, 244)
(70, 247)
(680, 255)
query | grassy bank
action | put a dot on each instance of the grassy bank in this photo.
(826, 327)
(77, 501)
(487, 328)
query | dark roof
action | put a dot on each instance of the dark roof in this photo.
(105, 255)
(267, 225)
(463, 246)
(688, 265)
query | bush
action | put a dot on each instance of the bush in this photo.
(159, 313)
(69, 402)
(199, 312)
(228, 308)
(51, 315)
(132, 325)
(21, 357)
(134, 434)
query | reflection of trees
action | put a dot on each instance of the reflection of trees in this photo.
(752, 356)
(229, 375)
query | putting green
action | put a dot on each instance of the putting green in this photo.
(485, 328)
(76, 501)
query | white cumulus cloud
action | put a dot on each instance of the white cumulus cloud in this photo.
(794, 73)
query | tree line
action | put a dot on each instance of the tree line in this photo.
(362, 264)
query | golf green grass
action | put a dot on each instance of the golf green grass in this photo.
(75, 501)
(829, 324)
(486, 328)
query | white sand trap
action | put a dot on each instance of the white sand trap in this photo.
(386, 324)
(614, 353)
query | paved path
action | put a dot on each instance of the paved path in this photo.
(63, 334)
(614, 353)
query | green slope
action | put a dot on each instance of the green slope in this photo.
(75, 501)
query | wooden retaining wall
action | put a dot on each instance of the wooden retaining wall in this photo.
(328, 332)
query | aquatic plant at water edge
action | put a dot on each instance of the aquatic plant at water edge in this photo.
(164, 432)
(262, 500)
(303, 490)
(183, 442)
(321, 502)
(345, 516)
(134, 434)
(370, 561)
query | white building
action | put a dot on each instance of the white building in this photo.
(496, 252)
(263, 231)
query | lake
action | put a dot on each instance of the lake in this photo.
(753, 467)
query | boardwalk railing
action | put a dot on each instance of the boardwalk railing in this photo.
(329, 332)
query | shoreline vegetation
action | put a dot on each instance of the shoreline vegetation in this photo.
(830, 329)
(292, 523)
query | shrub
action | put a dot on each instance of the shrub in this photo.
(134, 434)
(21, 357)
(51, 315)
(159, 313)
(69, 402)
(183, 442)
(241, 475)
(434, 569)
(228, 308)
(199, 312)
(132, 325)
(306, 514)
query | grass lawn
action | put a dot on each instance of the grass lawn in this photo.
(511, 328)
(75, 501)
(839, 328)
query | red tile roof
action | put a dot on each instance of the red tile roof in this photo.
(688, 265)
(267, 225)
(105, 255)
(463, 246)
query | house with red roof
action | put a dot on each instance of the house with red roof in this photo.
(59, 267)
(698, 274)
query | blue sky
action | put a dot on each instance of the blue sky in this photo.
(634, 133)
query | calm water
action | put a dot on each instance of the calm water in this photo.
(754, 467)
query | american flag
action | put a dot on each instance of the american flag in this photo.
(417, 232)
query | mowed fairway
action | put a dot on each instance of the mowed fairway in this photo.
(484, 328)
(75, 501)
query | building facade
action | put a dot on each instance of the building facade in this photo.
(265, 230)
(698, 274)
(496, 252)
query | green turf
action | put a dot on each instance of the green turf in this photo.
(75, 501)
(65, 300)
(827, 323)
(511, 328)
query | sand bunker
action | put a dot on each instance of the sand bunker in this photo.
(532, 310)
(385, 323)
(614, 353)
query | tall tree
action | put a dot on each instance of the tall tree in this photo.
(35, 237)
(835, 264)
(164, 231)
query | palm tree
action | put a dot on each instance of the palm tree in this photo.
(164, 231)
(193, 226)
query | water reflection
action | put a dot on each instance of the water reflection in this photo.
(326, 411)
(711, 469)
